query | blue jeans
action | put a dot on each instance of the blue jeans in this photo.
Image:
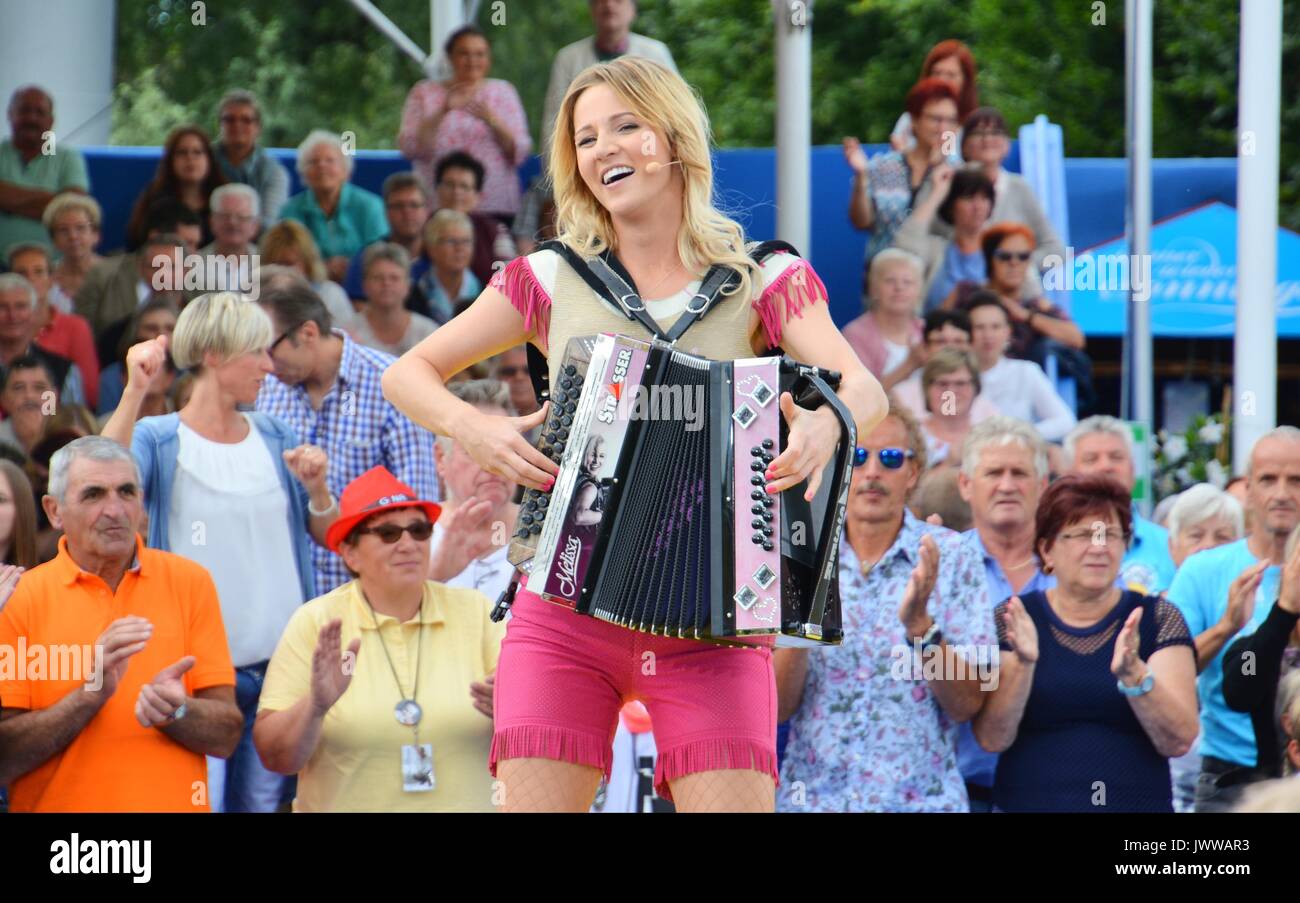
(241, 783)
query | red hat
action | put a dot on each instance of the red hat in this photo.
(374, 491)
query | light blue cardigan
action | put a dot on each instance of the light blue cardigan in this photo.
(155, 444)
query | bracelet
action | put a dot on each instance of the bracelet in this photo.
(334, 503)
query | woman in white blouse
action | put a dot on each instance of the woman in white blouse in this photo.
(1019, 388)
(234, 491)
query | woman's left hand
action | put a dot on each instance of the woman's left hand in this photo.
(309, 465)
(810, 443)
(481, 693)
(1125, 664)
(9, 574)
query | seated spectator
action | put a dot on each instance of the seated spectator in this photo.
(986, 143)
(326, 386)
(1068, 741)
(339, 728)
(73, 222)
(242, 160)
(116, 288)
(950, 382)
(1019, 389)
(341, 217)
(459, 186)
(288, 244)
(32, 170)
(26, 395)
(18, 326)
(188, 172)
(407, 208)
(938, 495)
(385, 324)
(890, 333)
(449, 284)
(1202, 517)
(259, 496)
(1257, 663)
(472, 113)
(963, 200)
(905, 585)
(162, 685)
(66, 335)
(511, 368)
(234, 223)
(1007, 249)
(157, 317)
(886, 188)
(950, 61)
(942, 329)
(1103, 445)
(472, 537)
(17, 520)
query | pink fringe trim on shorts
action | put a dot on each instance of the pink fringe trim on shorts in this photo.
(712, 755)
(548, 741)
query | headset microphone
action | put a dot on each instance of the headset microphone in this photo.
(653, 167)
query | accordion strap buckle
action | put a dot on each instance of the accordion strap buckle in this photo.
(623, 301)
(702, 307)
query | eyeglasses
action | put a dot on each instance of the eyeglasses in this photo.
(243, 120)
(407, 205)
(288, 332)
(952, 385)
(456, 242)
(1008, 256)
(388, 534)
(890, 458)
(1102, 534)
(987, 133)
(234, 217)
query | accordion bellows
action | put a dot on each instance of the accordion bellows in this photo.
(659, 521)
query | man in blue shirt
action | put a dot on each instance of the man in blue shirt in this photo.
(1003, 472)
(1102, 445)
(1224, 590)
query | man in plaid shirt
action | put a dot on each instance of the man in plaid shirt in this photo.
(326, 387)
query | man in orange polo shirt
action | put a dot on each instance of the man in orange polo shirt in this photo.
(125, 727)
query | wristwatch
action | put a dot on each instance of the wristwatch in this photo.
(180, 712)
(932, 637)
(1143, 688)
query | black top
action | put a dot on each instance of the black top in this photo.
(1252, 667)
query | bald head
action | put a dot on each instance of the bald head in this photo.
(1273, 481)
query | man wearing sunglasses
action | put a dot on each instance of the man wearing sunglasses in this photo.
(867, 738)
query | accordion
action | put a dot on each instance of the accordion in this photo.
(659, 519)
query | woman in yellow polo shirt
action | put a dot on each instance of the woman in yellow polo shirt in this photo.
(376, 695)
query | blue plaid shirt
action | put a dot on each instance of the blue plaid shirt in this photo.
(358, 429)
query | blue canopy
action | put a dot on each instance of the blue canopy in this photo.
(1193, 279)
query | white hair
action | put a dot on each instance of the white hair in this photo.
(10, 282)
(320, 136)
(236, 190)
(1204, 502)
(1001, 430)
(95, 448)
(1098, 423)
(1289, 433)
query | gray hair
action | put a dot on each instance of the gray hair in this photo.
(1098, 423)
(1288, 708)
(404, 181)
(1203, 502)
(481, 393)
(10, 282)
(240, 97)
(94, 448)
(320, 136)
(1001, 430)
(1289, 433)
(385, 250)
(236, 190)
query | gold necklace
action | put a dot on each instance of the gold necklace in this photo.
(1029, 560)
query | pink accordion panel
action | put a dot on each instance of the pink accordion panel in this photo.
(756, 430)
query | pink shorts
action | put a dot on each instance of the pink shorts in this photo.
(563, 677)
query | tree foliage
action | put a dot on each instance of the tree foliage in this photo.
(323, 65)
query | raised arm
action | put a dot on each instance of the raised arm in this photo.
(998, 722)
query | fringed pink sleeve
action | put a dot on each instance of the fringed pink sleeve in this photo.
(786, 297)
(519, 283)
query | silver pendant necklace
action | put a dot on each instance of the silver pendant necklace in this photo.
(407, 711)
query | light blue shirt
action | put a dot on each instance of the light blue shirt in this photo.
(357, 221)
(1147, 566)
(1200, 591)
(976, 764)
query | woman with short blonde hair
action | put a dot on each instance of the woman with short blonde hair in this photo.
(288, 243)
(234, 491)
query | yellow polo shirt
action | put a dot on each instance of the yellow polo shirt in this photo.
(357, 764)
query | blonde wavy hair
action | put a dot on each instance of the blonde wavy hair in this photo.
(660, 98)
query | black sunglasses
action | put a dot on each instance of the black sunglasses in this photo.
(1008, 256)
(390, 533)
(890, 458)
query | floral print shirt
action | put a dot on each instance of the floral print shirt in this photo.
(869, 735)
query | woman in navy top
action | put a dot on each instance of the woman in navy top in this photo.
(1097, 686)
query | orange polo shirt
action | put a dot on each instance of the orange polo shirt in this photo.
(114, 765)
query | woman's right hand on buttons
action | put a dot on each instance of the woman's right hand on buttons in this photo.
(497, 445)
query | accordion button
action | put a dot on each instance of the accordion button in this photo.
(756, 523)
(560, 397)
(562, 433)
(525, 518)
(554, 424)
(757, 509)
(767, 547)
(768, 443)
(569, 369)
(551, 437)
(543, 501)
(566, 383)
(757, 479)
(535, 528)
(757, 465)
(571, 407)
(559, 447)
(566, 420)
(521, 532)
(756, 452)
(758, 495)
(767, 531)
(757, 539)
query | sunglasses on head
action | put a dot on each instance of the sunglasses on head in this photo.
(1008, 256)
(390, 533)
(890, 458)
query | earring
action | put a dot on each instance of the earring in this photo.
(1046, 569)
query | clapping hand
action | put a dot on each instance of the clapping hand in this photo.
(309, 466)
(331, 670)
(1125, 663)
(1022, 635)
(913, 611)
(159, 699)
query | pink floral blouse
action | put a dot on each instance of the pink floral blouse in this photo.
(461, 130)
